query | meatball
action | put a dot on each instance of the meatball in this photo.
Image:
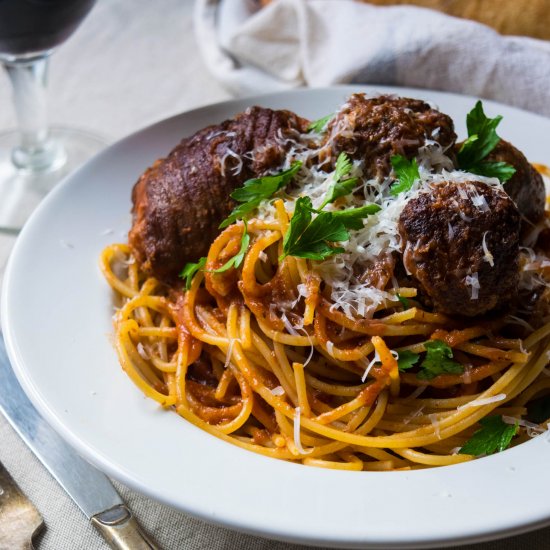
(375, 129)
(525, 187)
(461, 245)
(179, 202)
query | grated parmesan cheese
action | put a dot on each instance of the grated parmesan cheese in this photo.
(487, 256)
(229, 352)
(278, 391)
(483, 401)
(142, 352)
(473, 282)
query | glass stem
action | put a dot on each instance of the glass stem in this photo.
(36, 152)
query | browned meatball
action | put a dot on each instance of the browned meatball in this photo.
(444, 231)
(526, 186)
(375, 129)
(179, 202)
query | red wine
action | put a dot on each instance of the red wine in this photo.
(28, 26)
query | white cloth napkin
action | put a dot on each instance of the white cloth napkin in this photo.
(293, 43)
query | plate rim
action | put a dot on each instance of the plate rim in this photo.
(100, 460)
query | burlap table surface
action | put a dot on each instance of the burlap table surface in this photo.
(131, 63)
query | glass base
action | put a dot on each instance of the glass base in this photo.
(21, 190)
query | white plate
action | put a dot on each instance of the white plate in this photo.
(56, 313)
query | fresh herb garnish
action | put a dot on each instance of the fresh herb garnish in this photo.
(255, 190)
(352, 218)
(407, 359)
(188, 272)
(407, 173)
(318, 126)
(239, 257)
(307, 238)
(482, 139)
(404, 301)
(494, 435)
(340, 186)
(438, 361)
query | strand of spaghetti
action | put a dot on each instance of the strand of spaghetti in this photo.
(421, 436)
(127, 365)
(532, 373)
(194, 419)
(355, 464)
(431, 459)
(354, 354)
(357, 417)
(190, 320)
(447, 380)
(244, 328)
(212, 415)
(288, 339)
(389, 363)
(287, 429)
(454, 338)
(156, 303)
(376, 416)
(286, 369)
(333, 389)
(313, 285)
(537, 336)
(372, 327)
(158, 332)
(249, 284)
(139, 364)
(164, 366)
(105, 260)
(247, 397)
(223, 383)
(365, 398)
(529, 393)
(494, 354)
(301, 390)
(267, 354)
(182, 363)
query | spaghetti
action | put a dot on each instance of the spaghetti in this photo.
(272, 358)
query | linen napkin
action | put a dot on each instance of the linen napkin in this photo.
(293, 43)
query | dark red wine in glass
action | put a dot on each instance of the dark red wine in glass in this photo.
(35, 157)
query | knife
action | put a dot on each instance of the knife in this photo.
(91, 490)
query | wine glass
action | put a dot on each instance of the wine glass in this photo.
(35, 157)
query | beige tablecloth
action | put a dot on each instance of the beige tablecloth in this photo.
(132, 62)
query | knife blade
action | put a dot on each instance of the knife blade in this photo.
(88, 488)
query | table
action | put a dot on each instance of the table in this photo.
(131, 63)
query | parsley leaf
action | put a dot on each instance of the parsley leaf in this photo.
(188, 272)
(309, 239)
(438, 361)
(482, 139)
(407, 173)
(494, 435)
(255, 190)
(404, 301)
(237, 260)
(500, 170)
(407, 359)
(352, 217)
(318, 126)
(340, 188)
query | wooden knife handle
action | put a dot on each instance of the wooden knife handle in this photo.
(121, 530)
